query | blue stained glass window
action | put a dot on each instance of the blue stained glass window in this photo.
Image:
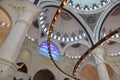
(43, 50)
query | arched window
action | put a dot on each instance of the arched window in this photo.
(43, 50)
(22, 67)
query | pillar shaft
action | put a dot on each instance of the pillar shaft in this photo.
(10, 49)
(101, 67)
(13, 43)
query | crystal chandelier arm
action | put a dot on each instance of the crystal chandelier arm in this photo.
(49, 37)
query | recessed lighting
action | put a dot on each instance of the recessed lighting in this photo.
(41, 22)
(91, 9)
(99, 5)
(41, 18)
(119, 53)
(3, 24)
(43, 26)
(67, 39)
(70, 3)
(104, 3)
(86, 9)
(51, 34)
(83, 34)
(71, 39)
(104, 34)
(95, 7)
(32, 39)
(112, 36)
(79, 56)
(78, 8)
(73, 6)
(45, 29)
(76, 38)
(47, 32)
(55, 36)
(80, 37)
(29, 37)
(59, 38)
(63, 39)
(42, 13)
(117, 35)
(76, 57)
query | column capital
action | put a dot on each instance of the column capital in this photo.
(98, 55)
(99, 51)
(25, 17)
(8, 63)
(31, 8)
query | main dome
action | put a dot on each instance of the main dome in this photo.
(88, 5)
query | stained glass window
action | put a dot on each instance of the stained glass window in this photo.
(43, 50)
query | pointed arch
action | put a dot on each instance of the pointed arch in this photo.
(43, 50)
(44, 74)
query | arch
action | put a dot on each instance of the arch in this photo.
(43, 50)
(22, 67)
(103, 18)
(89, 72)
(88, 61)
(76, 50)
(79, 41)
(109, 23)
(112, 74)
(85, 27)
(7, 14)
(54, 41)
(44, 74)
(11, 12)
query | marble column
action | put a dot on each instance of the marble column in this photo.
(101, 67)
(11, 47)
